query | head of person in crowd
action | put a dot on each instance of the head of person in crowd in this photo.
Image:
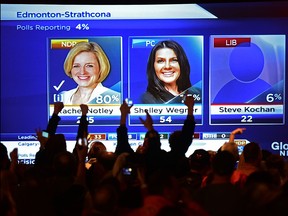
(98, 153)
(152, 140)
(64, 164)
(96, 148)
(200, 161)
(232, 148)
(56, 143)
(223, 164)
(175, 142)
(107, 159)
(168, 70)
(151, 144)
(4, 159)
(252, 153)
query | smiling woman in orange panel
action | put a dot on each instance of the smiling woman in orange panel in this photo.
(88, 65)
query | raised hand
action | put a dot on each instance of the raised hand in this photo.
(124, 108)
(234, 132)
(238, 131)
(189, 100)
(40, 138)
(148, 122)
(58, 106)
(84, 109)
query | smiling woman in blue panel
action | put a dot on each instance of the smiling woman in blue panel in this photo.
(168, 73)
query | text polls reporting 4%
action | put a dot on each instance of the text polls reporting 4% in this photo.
(82, 26)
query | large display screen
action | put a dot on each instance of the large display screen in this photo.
(235, 68)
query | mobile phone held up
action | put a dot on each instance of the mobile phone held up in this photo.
(45, 134)
(129, 102)
(82, 141)
(127, 171)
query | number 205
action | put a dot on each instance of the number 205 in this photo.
(90, 119)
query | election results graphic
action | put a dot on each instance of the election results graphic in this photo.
(107, 96)
(173, 111)
(247, 74)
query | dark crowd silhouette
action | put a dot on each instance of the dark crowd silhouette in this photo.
(91, 181)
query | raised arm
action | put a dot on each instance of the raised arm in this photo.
(234, 132)
(189, 124)
(52, 125)
(152, 144)
(122, 131)
(82, 130)
(188, 127)
(148, 122)
(81, 151)
(54, 120)
(189, 102)
(83, 125)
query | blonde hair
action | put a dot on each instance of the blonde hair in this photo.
(232, 148)
(93, 47)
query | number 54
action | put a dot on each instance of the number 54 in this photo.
(164, 119)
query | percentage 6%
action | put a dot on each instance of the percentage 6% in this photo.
(82, 26)
(273, 97)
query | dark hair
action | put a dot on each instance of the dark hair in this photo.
(199, 160)
(156, 86)
(64, 164)
(175, 141)
(252, 152)
(223, 163)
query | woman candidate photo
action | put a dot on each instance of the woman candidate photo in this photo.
(88, 65)
(168, 74)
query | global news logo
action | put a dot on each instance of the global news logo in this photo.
(281, 147)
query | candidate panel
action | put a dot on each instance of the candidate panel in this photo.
(247, 79)
(162, 71)
(86, 71)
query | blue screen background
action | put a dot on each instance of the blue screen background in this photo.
(24, 69)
